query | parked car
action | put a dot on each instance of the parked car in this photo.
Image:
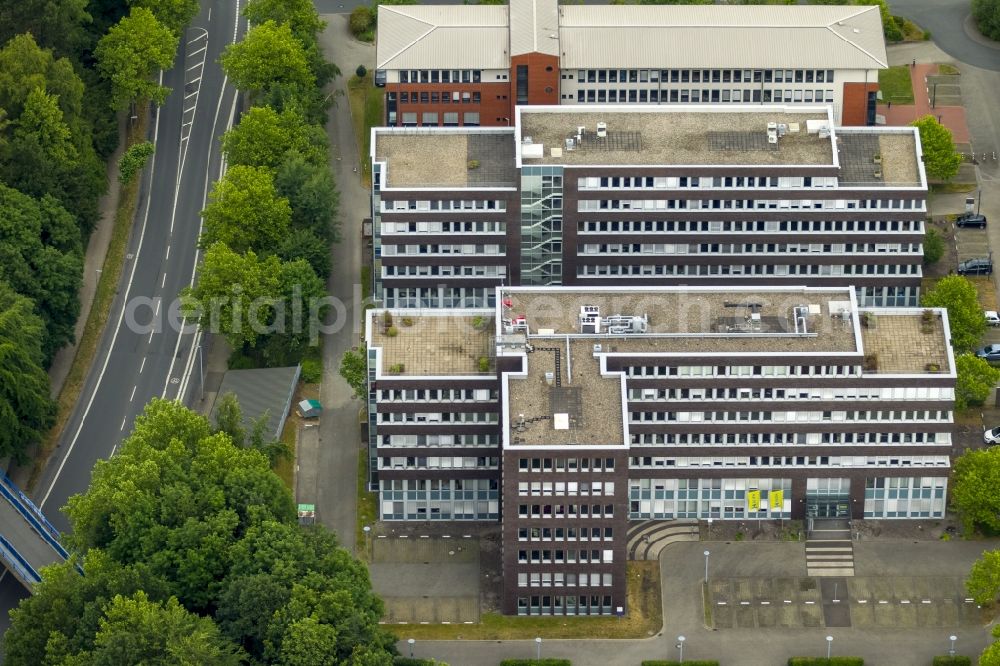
(992, 317)
(989, 352)
(991, 436)
(976, 267)
(971, 220)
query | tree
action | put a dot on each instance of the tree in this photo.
(174, 14)
(41, 257)
(976, 378)
(306, 245)
(26, 411)
(987, 16)
(234, 290)
(965, 316)
(245, 211)
(134, 160)
(975, 490)
(26, 67)
(131, 53)
(941, 160)
(362, 22)
(300, 16)
(312, 194)
(991, 655)
(983, 583)
(229, 418)
(933, 246)
(269, 54)
(264, 137)
(58, 24)
(354, 370)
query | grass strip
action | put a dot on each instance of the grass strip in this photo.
(896, 85)
(366, 112)
(367, 506)
(104, 295)
(645, 618)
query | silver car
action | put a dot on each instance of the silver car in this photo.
(991, 436)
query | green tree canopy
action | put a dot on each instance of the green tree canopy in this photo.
(941, 160)
(26, 411)
(975, 489)
(983, 582)
(58, 24)
(976, 378)
(245, 211)
(987, 16)
(174, 14)
(354, 370)
(965, 317)
(26, 67)
(300, 16)
(41, 257)
(312, 194)
(269, 54)
(264, 137)
(134, 160)
(131, 54)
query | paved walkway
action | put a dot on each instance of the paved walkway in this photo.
(952, 117)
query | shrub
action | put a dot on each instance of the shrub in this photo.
(480, 323)
(952, 661)
(823, 661)
(361, 71)
(987, 16)
(312, 370)
(397, 368)
(407, 321)
(392, 331)
(361, 22)
(933, 246)
(484, 364)
(537, 662)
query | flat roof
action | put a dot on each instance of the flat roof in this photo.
(440, 344)
(693, 320)
(906, 341)
(261, 391)
(451, 157)
(674, 135)
(880, 157)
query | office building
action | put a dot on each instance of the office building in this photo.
(470, 65)
(647, 195)
(565, 412)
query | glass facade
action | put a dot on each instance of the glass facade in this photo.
(905, 497)
(541, 225)
(439, 499)
(705, 498)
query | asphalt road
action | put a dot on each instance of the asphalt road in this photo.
(138, 359)
(947, 22)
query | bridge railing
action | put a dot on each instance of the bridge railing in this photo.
(17, 563)
(32, 514)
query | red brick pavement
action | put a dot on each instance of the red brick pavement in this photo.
(952, 117)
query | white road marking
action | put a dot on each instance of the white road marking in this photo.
(190, 95)
(118, 326)
(141, 367)
(167, 256)
(132, 397)
(193, 54)
(197, 64)
(158, 301)
(150, 339)
(209, 14)
(163, 281)
(123, 425)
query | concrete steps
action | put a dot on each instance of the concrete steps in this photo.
(647, 538)
(830, 557)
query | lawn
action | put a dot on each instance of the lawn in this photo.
(107, 288)
(367, 506)
(644, 620)
(366, 112)
(896, 85)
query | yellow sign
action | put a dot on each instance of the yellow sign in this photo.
(753, 500)
(776, 498)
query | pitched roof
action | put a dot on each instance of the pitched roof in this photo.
(534, 27)
(724, 36)
(442, 37)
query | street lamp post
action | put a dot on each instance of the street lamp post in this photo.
(706, 566)
(368, 531)
(538, 648)
(680, 647)
(829, 646)
(951, 650)
(411, 642)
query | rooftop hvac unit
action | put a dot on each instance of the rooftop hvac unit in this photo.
(772, 126)
(570, 144)
(602, 130)
(598, 348)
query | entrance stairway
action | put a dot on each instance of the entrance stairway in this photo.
(829, 548)
(647, 538)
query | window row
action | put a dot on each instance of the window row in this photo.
(444, 271)
(450, 119)
(568, 605)
(788, 438)
(560, 556)
(749, 226)
(438, 440)
(565, 464)
(743, 370)
(566, 510)
(437, 395)
(438, 297)
(400, 205)
(467, 249)
(852, 393)
(702, 182)
(463, 227)
(544, 488)
(565, 533)
(440, 97)
(648, 462)
(700, 95)
(438, 417)
(598, 249)
(671, 270)
(701, 75)
(590, 205)
(441, 75)
(561, 579)
(846, 416)
(438, 462)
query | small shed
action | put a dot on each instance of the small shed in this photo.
(261, 391)
(310, 409)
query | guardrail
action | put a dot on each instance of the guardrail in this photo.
(17, 563)
(32, 515)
